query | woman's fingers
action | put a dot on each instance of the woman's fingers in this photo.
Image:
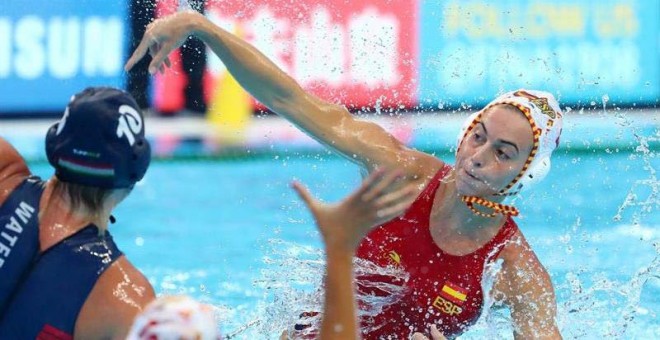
(153, 49)
(402, 194)
(304, 194)
(139, 52)
(381, 185)
(395, 210)
(368, 183)
(419, 336)
(436, 334)
(162, 54)
(161, 37)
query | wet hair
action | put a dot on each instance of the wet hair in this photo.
(83, 197)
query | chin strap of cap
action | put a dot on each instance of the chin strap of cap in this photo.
(498, 208)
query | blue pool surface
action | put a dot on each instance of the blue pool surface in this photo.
(233, 234)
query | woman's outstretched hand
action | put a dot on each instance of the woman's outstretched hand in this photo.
(383, 196)
(162, 37)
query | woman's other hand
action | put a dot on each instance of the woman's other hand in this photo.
(435, 335)
(383, 196)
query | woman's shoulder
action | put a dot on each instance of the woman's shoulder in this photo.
(11, 160)
(13, 169)
(518, 254)
(516, 248)
(421, 166)
(115, 318)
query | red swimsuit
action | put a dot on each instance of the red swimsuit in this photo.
(442, 289)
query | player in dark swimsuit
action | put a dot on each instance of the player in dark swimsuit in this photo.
(63, 275)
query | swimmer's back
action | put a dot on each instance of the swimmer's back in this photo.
(70, 284)
(19, 236)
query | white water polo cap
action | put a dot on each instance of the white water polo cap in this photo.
(545, 117)
(175, 318)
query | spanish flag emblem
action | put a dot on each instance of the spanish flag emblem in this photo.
(454, 293)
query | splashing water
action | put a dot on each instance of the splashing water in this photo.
(608, 308)
(292, 283)
(391, 286)
(491, 320)
(652, 201)
(184, 5)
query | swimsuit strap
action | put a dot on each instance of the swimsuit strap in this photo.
(434, 183)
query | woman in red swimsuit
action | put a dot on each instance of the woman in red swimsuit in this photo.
(458, 223)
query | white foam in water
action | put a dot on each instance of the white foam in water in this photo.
(372, 305)
(292, 284)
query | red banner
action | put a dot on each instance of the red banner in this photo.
(359, 52)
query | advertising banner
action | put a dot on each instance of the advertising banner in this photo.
(360, 52)
(52, 49)
(363, 53)
(585, 52)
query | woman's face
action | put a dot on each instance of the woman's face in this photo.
(494, 152)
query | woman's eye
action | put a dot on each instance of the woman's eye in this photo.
(477, 136)
(501, 154)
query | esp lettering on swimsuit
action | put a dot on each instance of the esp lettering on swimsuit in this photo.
(446, 306)
(12, 230)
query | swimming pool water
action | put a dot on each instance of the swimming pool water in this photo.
(219, 230)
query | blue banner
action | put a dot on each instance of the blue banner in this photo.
(50, 50)
(585, 52)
